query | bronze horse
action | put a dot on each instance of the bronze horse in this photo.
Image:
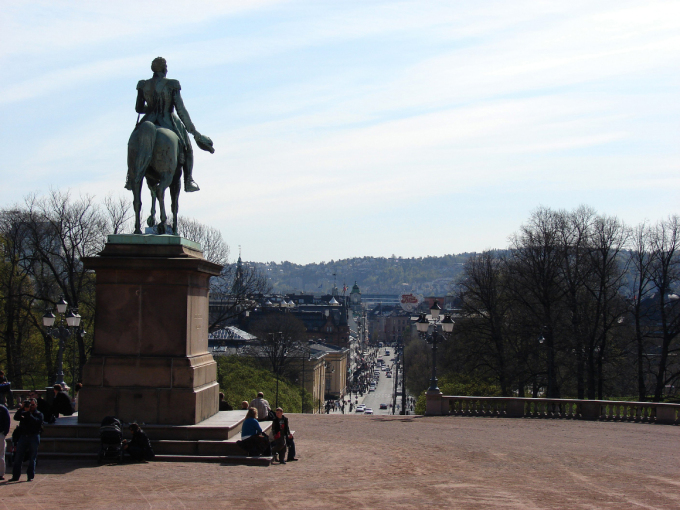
(154, 154)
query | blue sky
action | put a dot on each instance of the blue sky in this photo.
(357, 128)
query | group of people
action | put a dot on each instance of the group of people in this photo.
(31, 414)
(256, 442)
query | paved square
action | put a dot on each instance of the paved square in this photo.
(349, 461)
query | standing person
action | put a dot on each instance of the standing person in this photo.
(283, 439)
(262, 407)
(30, 421)
(79, 386)
(43, 406)
(6, 397)
(4, 430)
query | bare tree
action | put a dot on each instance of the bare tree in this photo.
(215, 249)
(16, 292)
(608, 238)
(61, 232)
(281, 338)
(574, 232)
(665, 275)
(536, 281)
(119, 214)
(485, 304)
(642, 288)
(233, 292)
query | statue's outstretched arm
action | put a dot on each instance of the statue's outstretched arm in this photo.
(184, 114)
(204, 142)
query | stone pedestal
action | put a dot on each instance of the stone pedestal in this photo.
(150, 360)
(434, 404)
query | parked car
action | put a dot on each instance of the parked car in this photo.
(360, 408)
(368, 410)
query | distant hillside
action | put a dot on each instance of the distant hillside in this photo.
(374, 275)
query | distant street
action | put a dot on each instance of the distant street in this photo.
(384, 390)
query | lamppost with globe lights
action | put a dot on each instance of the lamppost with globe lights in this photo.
(429, 329)
(68, 318)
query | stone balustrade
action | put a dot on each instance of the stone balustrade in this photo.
(514, 407)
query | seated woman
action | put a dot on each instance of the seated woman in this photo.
(139, 448)
(253, 441)
(61, 403)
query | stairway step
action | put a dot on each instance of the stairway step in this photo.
(225, 459)
(223, 425)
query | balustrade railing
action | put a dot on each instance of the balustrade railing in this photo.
(514, 407)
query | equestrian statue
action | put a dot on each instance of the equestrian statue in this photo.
(159, 148)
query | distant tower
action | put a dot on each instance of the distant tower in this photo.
(335, 292)
(237, 287)
(355, 297)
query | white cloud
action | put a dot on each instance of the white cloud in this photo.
(388, 104)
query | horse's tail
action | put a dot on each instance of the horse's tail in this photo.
(140, 149)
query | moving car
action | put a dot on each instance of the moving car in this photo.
(389, 374)
(360, 408)
(383, 406)
(368, 411)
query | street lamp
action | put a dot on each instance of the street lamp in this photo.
(62, 332)
(423, 324)
(306, 356)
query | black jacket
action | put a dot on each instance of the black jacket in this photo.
(278, 426)
(141, 440)
(62, 404)
(30, 422)
(4, 421)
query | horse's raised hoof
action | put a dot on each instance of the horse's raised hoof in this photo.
(151, 221)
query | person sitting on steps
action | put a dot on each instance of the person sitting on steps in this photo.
(139, 448)
(263, 408)
(61, 403)
(254, 440)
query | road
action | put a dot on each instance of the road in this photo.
(384, 390)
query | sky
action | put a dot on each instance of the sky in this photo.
(356, 128)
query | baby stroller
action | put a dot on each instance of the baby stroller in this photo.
(111, 438)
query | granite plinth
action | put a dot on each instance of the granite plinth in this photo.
(152, 239)
(150, 359)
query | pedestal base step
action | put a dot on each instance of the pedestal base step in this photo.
(223, 459)
(221, 426)
(213, 440)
